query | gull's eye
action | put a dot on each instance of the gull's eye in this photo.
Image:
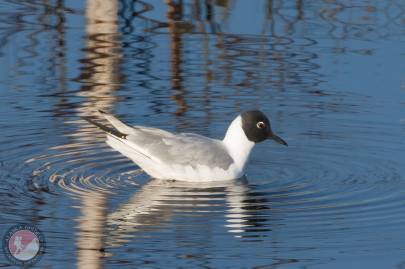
(261, 125)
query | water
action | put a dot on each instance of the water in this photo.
(331, 76)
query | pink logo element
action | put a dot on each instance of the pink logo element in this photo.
(23, 245)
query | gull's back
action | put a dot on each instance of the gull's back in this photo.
(166, 155)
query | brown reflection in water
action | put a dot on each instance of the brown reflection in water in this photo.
(100, 77)
(90, 228)
(60, 55)
(275, 18)
(174, 17)
(100, 72)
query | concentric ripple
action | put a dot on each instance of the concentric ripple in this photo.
(85, 165)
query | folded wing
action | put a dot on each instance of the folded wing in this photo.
(166, 148)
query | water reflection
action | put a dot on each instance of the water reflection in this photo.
(100, 78)
(175, 18)
(157, 203)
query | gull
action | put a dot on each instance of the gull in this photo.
(187, 156)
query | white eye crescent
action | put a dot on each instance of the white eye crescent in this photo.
(261, 125)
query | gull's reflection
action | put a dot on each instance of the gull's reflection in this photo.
(159, 201)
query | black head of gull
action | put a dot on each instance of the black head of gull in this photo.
(257, 127)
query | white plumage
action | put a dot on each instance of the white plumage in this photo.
(184, 156)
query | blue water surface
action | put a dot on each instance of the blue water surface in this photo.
(329, 74)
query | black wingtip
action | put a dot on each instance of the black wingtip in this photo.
(102, 111)
(106, 129)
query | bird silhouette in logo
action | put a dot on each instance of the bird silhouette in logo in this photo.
(18, 245)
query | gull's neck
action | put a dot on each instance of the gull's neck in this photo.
(237, 144)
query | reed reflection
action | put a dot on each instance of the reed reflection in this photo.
(100, 78)
(100, 72)
(276, 17)
(174, 18)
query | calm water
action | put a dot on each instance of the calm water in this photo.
(330, 74)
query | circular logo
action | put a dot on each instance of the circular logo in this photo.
(23, 244)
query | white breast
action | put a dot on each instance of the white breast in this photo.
(238, 145)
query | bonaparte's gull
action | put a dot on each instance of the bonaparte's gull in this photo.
(187, 156)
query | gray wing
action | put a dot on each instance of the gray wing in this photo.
(159, 145)
(180, 149)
